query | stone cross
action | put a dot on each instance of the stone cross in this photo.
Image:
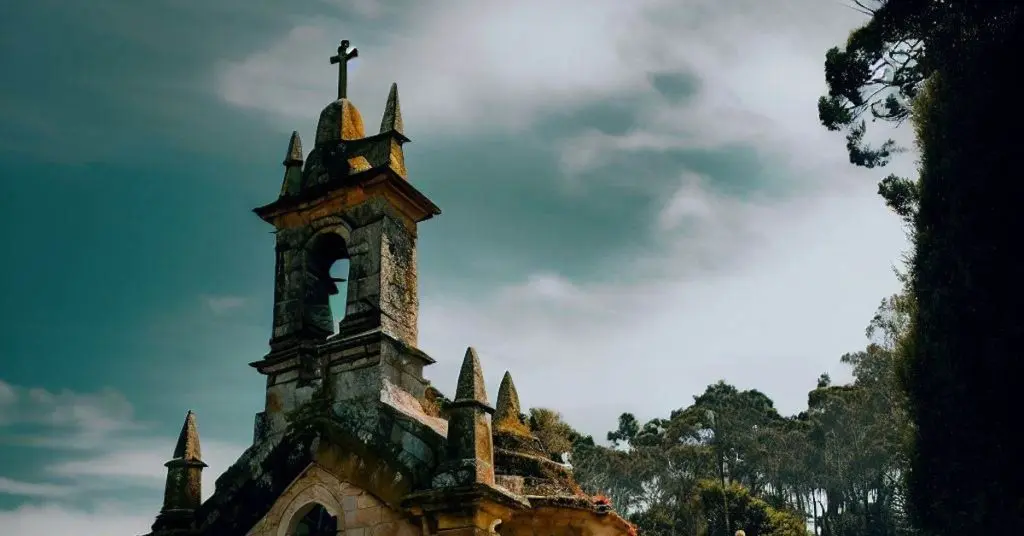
(342, 60)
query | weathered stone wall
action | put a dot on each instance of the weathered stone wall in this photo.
(358, 512)
(300, 301)
(382, 295)
(184, 487)
(358, 367)
(398, 294)
(359, 364)
(285, 393)
(382, 288)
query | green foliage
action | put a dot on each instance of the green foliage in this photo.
(554, 433)
(745, 511)
(900, 195)
(878, 75)
(627, 430)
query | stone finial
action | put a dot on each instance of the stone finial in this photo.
(469, 457)
(187, 447)
(292, 182)
(183, 489)
(507, 409)
(294, 156)
(470, 388)
(392, 120)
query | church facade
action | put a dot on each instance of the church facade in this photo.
(352, 439)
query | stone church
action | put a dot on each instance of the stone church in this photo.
(352, 439)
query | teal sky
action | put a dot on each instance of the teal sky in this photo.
(637, 201)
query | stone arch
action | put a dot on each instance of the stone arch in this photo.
(358, 466)
(332, 224)
(354, 483)
(325, 250)
(314, 520)
(354, 507)
(315, 487)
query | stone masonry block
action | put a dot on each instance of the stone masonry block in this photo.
(385, 528)
(364, 517)
(350, 504)
(407, 529)
(365, 500)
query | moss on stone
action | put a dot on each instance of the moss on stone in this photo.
(356, 436)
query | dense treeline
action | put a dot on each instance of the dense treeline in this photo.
(730, 461)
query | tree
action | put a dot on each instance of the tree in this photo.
(617, 474)
(553, 432)
(964, 363)
(959, 88)
(731, 420)
(747, 512)
(628, 429)
(877, 75)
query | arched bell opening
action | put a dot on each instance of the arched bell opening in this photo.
(327, 275)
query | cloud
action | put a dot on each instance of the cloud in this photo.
(480, 66)
(52, 518)
(470, 64)
(773, 318)
(220, 305)
(66, 418)
(8, 398)
(33, 489)
(690, 203)
(95, 451)
(140, 462)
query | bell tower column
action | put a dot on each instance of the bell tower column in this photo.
(350, 199)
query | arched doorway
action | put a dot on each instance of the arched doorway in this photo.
(317, 522)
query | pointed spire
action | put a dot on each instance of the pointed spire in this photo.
(392, 120)
(507, 410)
(470, 448)
(292, 182)
(183, 489)
(187, 447)
(470, 388)
(294, 155)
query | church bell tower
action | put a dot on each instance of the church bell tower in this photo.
(348, 199)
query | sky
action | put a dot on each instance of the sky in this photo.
(638, 200)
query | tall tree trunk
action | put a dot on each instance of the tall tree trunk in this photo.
(817, 521)
(725, 495)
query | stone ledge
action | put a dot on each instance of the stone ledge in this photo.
(446, 499)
